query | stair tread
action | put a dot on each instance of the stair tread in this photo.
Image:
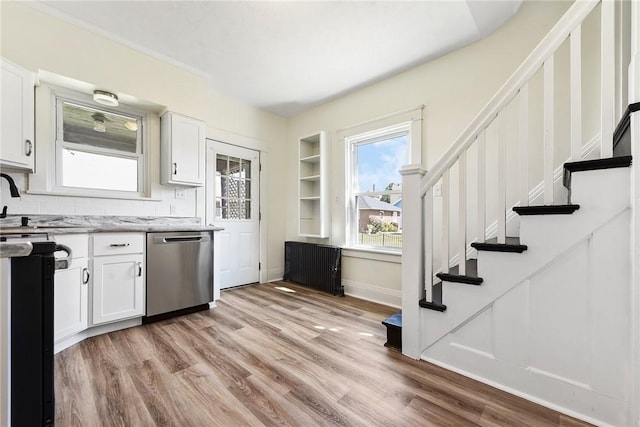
(512, 245)
(436, 299)
(608, 163)
(470, 278)
(546, 209)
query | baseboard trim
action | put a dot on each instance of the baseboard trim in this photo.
(365, 291)
(518, 393)
(275, 274)
(92, 331)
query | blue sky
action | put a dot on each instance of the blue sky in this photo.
(379, 163)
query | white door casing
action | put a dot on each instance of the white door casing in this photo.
(232, 202)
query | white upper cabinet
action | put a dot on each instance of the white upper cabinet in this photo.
(17, 117)
(182, 150)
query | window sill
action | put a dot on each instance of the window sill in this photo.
(372, 254)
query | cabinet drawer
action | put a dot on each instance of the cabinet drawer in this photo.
(118, 243)
(79, 244)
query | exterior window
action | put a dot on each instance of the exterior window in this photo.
(97, 148)
(374, 187)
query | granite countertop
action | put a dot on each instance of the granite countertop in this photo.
(75, 224)
(15, 249)
(66, 229)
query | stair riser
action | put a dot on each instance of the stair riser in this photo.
(610, 185)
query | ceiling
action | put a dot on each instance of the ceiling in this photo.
(286, 57)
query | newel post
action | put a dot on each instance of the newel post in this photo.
(412, 271)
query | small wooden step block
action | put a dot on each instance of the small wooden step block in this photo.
(394, 331)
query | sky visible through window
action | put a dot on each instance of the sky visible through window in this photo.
(379, 163)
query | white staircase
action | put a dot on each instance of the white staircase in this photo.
(544, 312)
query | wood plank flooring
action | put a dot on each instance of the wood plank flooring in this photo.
(267, 357)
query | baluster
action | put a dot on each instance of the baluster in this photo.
(575, 77)
(548, 130)
(445, 222)
(607, 76)
(524, 144)
(462, 213)
(428, 244)
(502, 177)
(482, 175)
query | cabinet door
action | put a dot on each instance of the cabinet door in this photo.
(71, 300)
(17, 117)
(118, 288)
(186, 138)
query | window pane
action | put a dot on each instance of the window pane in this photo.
(378, 164)
(379, 222)
(245, 168)
(234, 167)
(97, 171)
(95, 128)
(221, 164)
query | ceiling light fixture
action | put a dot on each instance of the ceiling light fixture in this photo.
(105, 98)
(131, 125)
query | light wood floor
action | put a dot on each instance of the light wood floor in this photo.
(267, 357)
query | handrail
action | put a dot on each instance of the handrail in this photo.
(547, 46)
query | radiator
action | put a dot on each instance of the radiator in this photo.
(317, 266)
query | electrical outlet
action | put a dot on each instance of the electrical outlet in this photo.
(179, 193)
(437, 190)
(172, 209)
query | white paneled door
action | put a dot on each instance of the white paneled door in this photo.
(233, 188)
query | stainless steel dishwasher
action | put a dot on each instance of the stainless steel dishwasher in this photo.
(179, 273)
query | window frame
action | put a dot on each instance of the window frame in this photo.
(58, 98)
(352, 214)
(413, 116)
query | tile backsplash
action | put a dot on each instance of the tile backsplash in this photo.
(66, 205)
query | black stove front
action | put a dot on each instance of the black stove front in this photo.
(32, 387)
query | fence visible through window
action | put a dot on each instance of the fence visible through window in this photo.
(390, 240)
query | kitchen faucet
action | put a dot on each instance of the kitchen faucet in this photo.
(12, 189)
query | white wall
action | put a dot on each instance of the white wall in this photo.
(37, 41)
(453, 89)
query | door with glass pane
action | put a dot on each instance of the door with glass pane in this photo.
(233, 182)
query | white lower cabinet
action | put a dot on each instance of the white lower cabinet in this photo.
(71, 297)
(71, 289)
(118, 283)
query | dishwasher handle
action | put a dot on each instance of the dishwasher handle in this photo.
(181, 239)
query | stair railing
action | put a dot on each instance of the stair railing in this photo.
(418, 188)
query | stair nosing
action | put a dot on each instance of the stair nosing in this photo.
(499, 247)
(456, 278)
(598, 164)
(430, 305)
(546, 209)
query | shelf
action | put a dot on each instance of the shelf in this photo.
(311, 159)
(313, 198)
